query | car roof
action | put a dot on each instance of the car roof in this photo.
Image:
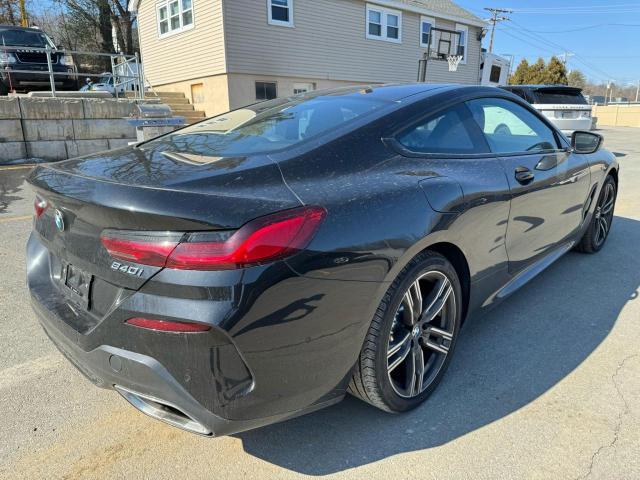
(397, 91)
(15, 27)
(540, 87)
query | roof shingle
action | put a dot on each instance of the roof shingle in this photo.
(443, 6)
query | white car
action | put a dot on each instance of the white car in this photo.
(564, 106)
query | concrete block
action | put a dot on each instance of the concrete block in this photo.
(51, 108)
(12, 151)
(78, 148)
(9, 108)
(109, 108)
(55, 150)
(93, 129)
(36, 130)
(119, 142)
(10, 131)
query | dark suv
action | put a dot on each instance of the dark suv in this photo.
(21, 54)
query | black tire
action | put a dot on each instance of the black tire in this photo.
(372, 380)
(4, 90)
(594, 238)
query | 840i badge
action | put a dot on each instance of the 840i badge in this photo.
(128, 269)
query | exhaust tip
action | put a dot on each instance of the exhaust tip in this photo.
(163, 411)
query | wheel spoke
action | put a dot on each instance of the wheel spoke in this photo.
(416, 293)
(410, 373)
(437, 300)
(438, 347)
(408, 309)
(418, 358)
(597, 235)
(438, 332)
(402, 348)
(393, 349)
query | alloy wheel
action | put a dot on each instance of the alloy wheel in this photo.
(604, 214)
(421, 334)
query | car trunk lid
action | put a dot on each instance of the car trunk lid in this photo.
(136, 190)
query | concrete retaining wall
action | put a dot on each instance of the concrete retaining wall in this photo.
(617, 115)
(59, 128)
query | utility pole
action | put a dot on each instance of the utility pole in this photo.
(565, 57)
(23, 14)
(495, 18)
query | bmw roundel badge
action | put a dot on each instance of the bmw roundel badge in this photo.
(59, 220)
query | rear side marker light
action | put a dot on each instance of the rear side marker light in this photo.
(260, 241)
(39, 206)
(168, 326)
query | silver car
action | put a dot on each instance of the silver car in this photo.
(564, 106)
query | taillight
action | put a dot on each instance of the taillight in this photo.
(167, 325)
(40, 205)
(147, 248)
(260, 241)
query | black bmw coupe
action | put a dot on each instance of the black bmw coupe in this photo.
(263, 263)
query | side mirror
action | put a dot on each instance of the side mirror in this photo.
(586, 142)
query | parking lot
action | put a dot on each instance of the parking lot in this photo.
(545, 386)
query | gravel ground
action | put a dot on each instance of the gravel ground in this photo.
(545, 386)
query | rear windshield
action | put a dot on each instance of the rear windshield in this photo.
(560, 96)
(23, 38)
(269, 126)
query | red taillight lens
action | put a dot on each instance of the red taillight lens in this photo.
(168, 326)
(147, 251)
(260, 241)
(40, 205)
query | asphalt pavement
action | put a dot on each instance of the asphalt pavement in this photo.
(545, 386)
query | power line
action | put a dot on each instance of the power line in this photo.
(578, 57)
(524, 36)
(495, 18)
(588, 27)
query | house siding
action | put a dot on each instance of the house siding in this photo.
(328, 42)
(194, 53)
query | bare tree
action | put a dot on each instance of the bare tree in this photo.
(8, 13)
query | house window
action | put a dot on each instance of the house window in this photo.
(280, 12)
(494, 76)
(462, 45)
(299, 88)
(174, 16)
(384, 24)
(266, 90)
(425, 31)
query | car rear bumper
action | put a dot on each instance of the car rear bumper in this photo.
(65, 77)
(147, 385)
(568, 126)
(278, 354)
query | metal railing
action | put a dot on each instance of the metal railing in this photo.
(126, 70)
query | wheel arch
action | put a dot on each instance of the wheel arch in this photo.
(459, 261)
(614, 173)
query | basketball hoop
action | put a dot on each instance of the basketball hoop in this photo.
(454, 60)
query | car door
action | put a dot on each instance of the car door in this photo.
(449, 156)
(549, 186)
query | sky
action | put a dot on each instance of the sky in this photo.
(603, 36)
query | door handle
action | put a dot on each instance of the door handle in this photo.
(524, 175)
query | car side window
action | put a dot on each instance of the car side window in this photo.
(511, 128)
(451, 131)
